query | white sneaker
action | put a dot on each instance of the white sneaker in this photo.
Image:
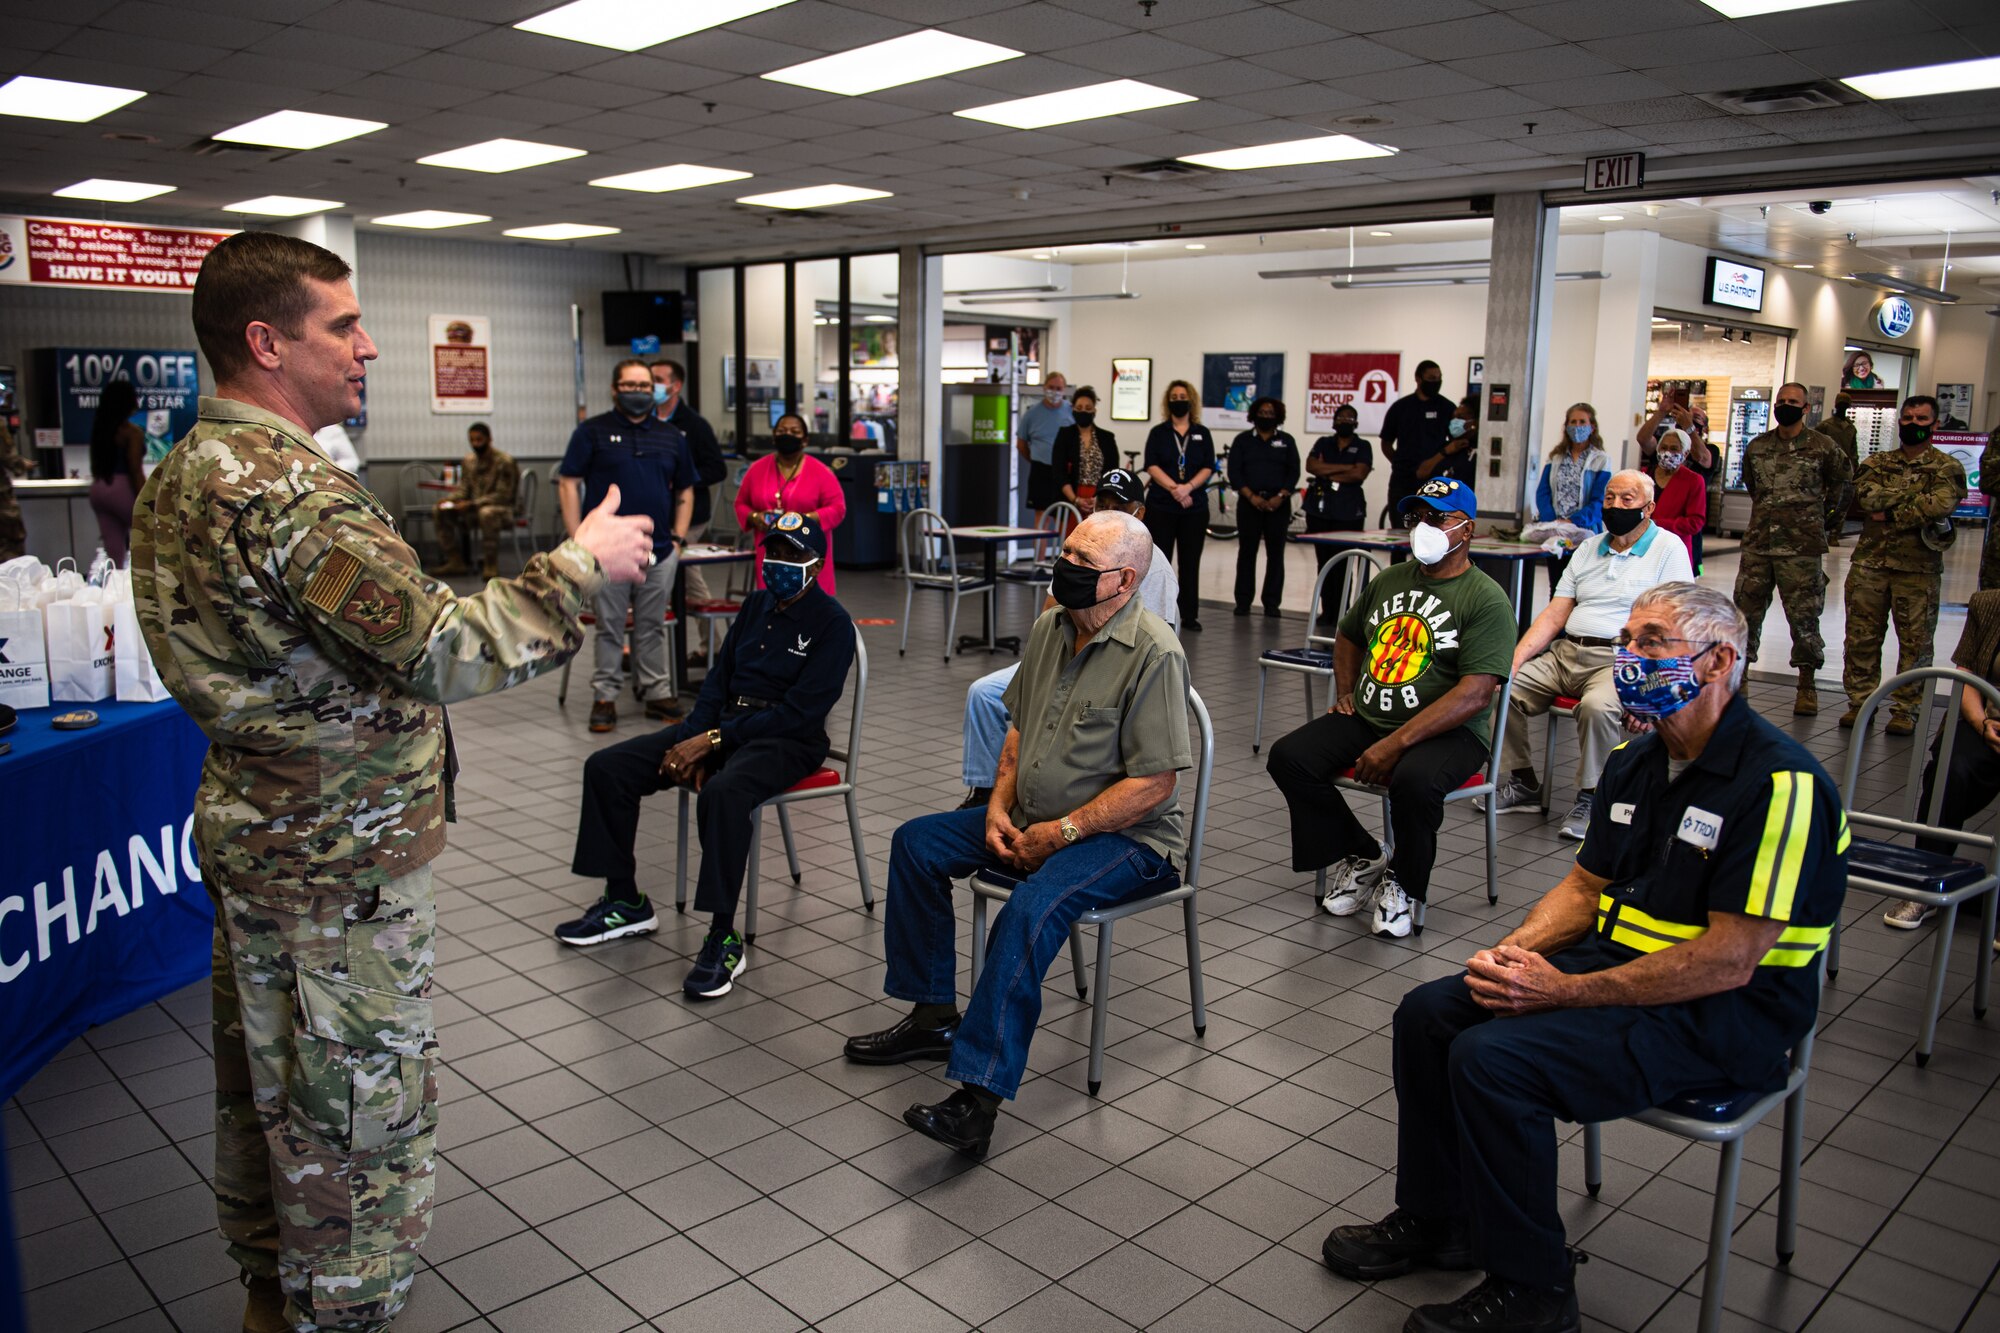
(1908, 916)
(1577, 822)
(1515, 796)
(1395, 914)
(1350, 884)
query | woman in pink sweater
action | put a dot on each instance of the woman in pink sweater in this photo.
(789, 482)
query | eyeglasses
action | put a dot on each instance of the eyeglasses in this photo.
(1652, 644)
(1447, 519)
(627, 386)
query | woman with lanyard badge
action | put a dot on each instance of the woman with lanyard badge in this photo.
(787, 482)
(1180, 458)
(1573, 480)
(1082, 452)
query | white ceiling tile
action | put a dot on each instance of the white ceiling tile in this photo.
(124, 47)
(463, 71)
(1706, 40)
(661, 75)
(1486, 102)
(1605, 88)
(1581, 20)
(1251, 33)
(397, 89)
(530, 50)
(1706, 130)
(1142, 55)
(1716, 76)
(1384, 15)
(397, 23)
(1889, 50)
(1337, 61)
(262, 11)
(1648, 109)
(740, 53)
(25, 34)
(1491, 35)
(935, 12)
(1543, 64)
(1180, 11)
(1298, 99)
(1039, 27)
(765, 95)
(583, 91)
(1852, 21)
(829, 27)
(1411, 82)
(866, 111)
(339, 48)
(172, 23)
(148, 77)
(1222, 78)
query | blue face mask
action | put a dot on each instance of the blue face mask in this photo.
(1581, 434)
(1456, 428)
(659, 394)
(785, 579)
(1655, 687)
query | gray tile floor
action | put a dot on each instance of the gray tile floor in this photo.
(615, 1158)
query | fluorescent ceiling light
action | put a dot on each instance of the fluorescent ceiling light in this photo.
(299, 129)
(1043, 255)
(560, 231)
(1352, 270)
(59, 99)
(498, 155)
(1890, 282)
(1610, 217)
(1045, 300)
(813, 196)
(680, 176)
(1749, 9)
(1590, 275)
(430, 219)
(281, 206)
(866, 69)
(1802, 266)
(634, 25)
(1381, 233)
(878, 319)
(1961, 76)
(995, 291)
(114, 192)
(1116, 98)
(1196, 245)
(1291, 153)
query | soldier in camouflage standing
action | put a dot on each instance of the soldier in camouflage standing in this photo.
(1907, 495)
(1989, 475)
(13, 533)
(488, 485)
(1840, 429)
(1794, 475)
(293, 623)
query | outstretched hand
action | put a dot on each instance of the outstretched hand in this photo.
(621, 543)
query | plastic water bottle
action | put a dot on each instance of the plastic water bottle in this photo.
(100, 567)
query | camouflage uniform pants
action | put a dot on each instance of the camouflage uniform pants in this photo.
(13, 533)
(1873, 597)
(1989, 555)
(1801, 581)
(492, 518)
(326, 1094)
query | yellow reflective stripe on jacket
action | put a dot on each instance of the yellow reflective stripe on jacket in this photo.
(1774, 878)
(1840, 843)
(1796, 946)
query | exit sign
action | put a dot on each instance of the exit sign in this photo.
(1618, 171)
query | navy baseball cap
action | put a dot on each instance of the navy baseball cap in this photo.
(801, 529)
(1444, 493)
(1121, 486)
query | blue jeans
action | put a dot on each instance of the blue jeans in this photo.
(925, 858)
(986, 726)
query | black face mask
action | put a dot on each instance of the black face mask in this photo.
(1912, 434)
(1431, 386)
(1788, 414)
(1180, 407)
(1083, 420)
(1343, 428)
(1619, 522)
(791, 446)
(1075, 586)
(1266, 423)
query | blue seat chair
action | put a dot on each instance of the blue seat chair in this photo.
(1315, 659)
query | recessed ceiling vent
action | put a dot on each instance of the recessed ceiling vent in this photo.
(1818, 95)
(219, 147)
(1162, 171)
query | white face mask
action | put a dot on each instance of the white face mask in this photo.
(1429, 544)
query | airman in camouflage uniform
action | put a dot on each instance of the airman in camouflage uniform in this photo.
(1989, 475)
(13, 533)
(1840, 429)
(1793, 475)
(291, 621)
(1906, 495)
(489, 482)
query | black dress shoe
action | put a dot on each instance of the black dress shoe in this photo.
(905, 1041)
(1272, 613)
(1395, 1245)
(959, 1122)
(1192, 624)
(1242, 611)
(1499, 1306)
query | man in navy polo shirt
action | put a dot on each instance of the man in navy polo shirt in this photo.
(649, 461)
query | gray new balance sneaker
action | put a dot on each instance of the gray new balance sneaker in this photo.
(1577, 822)
(1516, 796)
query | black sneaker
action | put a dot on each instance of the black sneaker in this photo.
(976, 798)
(720, 963)
(1395, 1245)
(1499, 1306)
(608, 920)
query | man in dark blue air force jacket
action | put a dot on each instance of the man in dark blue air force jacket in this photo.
(758, 728)
(1680, 953)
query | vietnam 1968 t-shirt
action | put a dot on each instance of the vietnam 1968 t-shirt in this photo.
(1420, 636)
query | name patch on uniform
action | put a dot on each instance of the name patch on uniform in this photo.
(338, 573)
(1701, 827)
(1621, 812)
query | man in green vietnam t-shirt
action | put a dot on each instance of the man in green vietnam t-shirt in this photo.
(1416, 665)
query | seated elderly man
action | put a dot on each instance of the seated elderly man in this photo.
(1415, 665)
(1679, 953)
(1567, 651)
(985, 707)
(1083, 807)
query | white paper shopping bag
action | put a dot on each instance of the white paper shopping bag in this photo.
(80, 648)
(24, 660)
(138, 680)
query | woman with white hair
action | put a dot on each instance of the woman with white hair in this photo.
(1682, 506)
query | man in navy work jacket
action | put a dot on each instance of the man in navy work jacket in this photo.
(650, 463)
(757, 728)
(1681, 952)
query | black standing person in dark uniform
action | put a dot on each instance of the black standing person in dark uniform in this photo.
(1263, 471)
(1180, 458)
(758, 728)
(1416, 427)
(1338, 464)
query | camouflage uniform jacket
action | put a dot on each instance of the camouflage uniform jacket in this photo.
(292, 622)
(12, 465)
(1841, 431)
(1792, 484)
(1913, 492)
(494, 481)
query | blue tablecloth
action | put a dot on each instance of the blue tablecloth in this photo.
(102, 908)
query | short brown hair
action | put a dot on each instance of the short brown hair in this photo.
(674, 368)
(256, 276)
(618, 370)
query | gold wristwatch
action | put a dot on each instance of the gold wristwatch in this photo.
(1070, 831)
(715, 738)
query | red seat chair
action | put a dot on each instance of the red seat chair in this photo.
(1565, 706)
(825, 782)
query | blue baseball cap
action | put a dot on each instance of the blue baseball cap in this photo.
(1444, 493)
(802, 529)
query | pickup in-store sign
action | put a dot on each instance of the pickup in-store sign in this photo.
(1614, 171)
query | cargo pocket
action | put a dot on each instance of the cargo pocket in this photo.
(361, 1064)
(360, 1289)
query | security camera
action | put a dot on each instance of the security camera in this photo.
(1821, 206)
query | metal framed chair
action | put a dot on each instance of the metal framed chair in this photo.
(415, 502)
(1483, 783)
(1564, 707)
(930, 560)
(998, 886)
(527, 512)
(590, 618)
(1924, 877)
(1315, 659)
(1725, 1116)
(826, 782)
(1060, 517)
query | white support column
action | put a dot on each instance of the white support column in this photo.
(333, 231)
(1624, 338)
(920, 361)
(1519, 305)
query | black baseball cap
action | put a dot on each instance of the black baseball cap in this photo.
(1121, 486)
